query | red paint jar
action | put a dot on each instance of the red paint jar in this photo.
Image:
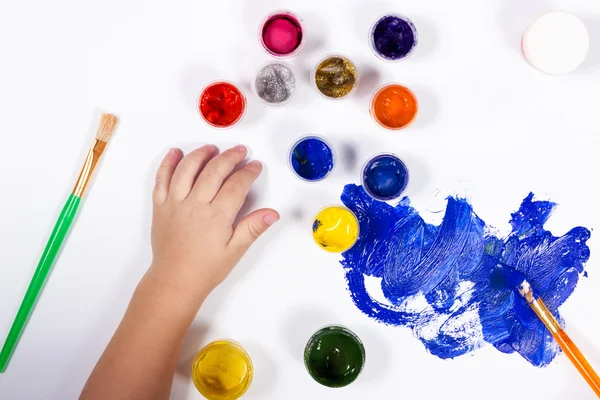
(222, 104)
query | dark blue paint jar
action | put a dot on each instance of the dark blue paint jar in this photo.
(312, 158)
(385, 177)
(393, 37)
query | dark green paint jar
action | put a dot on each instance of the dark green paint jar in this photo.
(334, 356)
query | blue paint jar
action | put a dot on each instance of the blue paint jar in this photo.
(312, 158)
(393, 37)
(385, 177)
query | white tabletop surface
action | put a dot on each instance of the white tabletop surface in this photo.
(490, 128)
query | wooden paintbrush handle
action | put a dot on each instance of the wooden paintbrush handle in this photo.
(565, 343)
(582, 365)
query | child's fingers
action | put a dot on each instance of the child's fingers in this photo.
(232, 194)
(188, 169)
(164, 175)
(216, 171)
(251, 227)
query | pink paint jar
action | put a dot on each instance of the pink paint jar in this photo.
(281, 34)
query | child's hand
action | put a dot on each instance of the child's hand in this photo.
(196, 201)
(195, 247)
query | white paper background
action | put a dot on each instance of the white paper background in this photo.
(490, 128)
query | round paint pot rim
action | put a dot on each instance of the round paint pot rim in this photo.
(238, 347)
(372, 37)
(362, 177)
(335, 328)
(524, 41)
(261, 100)
(337, 252)
(244, 102)
(378, 91)
(275, 13)
(313, 77)
(322, 139)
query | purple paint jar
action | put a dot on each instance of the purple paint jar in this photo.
(393, 37)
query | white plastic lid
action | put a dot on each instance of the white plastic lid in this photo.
(556, 43)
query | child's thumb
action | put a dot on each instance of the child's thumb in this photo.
(251, 227)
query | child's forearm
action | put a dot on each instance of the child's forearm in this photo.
(140, 360)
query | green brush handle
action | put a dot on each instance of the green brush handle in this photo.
(39, 278)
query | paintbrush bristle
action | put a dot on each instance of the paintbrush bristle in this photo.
(108, 123)
(506, 276)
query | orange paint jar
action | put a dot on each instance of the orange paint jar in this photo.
(394, 107)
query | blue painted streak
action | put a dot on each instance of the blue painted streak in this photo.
(453, 267)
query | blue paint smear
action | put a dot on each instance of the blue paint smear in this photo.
(439, 280)
(385, 177)
(312, 159)
(394, 38)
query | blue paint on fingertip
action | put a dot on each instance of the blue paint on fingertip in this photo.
(312, 158)
(443, 281)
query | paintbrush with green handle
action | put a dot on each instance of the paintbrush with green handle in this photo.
(105, 131)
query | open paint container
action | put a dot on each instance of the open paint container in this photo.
(221, 104)
(385, 177)
(281, 34)
(334, 356)
(335, 229)
(312, 158)
(335, 77)
(274, 84)
(393, 37)
(222, 370)
(394, 107)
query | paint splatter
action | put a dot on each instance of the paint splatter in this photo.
(436, 279)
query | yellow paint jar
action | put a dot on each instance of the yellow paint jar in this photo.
(222, 370)
(335, 229)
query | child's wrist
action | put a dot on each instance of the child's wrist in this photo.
(155, 301)
(187, 292)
